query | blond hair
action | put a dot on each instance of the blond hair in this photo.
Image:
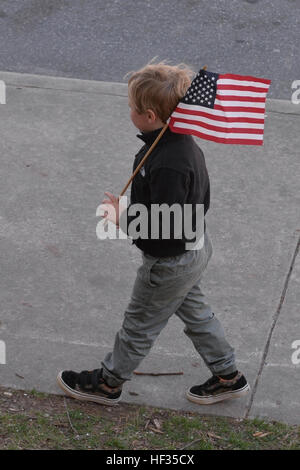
(159, 87)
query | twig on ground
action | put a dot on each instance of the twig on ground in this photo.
(157, 373)
(190, 444)
(152, 428)
(20, 376)
(214, 436)
(72, 427)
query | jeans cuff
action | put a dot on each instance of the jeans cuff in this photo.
(110, 379)
(227, 371)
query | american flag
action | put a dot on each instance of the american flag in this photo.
(225, 108)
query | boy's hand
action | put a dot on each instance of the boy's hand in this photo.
(113, 209)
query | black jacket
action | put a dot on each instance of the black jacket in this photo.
(174, 172)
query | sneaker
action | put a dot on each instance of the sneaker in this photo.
(217, 389)
(88, 386)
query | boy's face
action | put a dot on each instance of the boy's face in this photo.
(145, 122)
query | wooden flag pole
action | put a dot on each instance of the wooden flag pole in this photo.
(142, 162)
(144, 158)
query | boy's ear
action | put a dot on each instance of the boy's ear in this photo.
(151, 115)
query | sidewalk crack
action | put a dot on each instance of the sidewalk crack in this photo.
(267, 346)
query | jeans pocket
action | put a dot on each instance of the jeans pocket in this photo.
(164, 272)
(145, 269)
(151, 274)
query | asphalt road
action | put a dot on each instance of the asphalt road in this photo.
(102, 40)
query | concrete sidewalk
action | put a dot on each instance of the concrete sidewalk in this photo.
(63, 291)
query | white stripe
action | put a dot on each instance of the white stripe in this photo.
(225, 135)
(228, 125)
(217, 112)
(254, 94)
(245, 104)
(230, 81)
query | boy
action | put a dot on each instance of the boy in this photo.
(168, 281)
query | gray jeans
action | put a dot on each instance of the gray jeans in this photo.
(165, 286)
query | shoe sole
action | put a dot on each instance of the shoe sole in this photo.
(84, 396)
(210, 400)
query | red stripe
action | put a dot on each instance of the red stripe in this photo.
(219, 118)
(241, 98)
(216, 139)
(237, 130)
(246, 109)
(242, 88)
(247, 78)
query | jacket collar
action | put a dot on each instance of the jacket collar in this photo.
(149, 137)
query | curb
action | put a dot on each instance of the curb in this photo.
(62, 83)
